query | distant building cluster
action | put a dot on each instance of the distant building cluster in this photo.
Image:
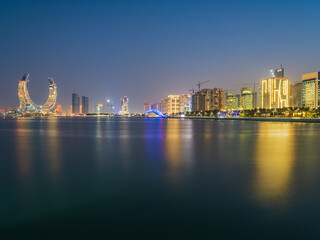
(275, 92)
(78, 107)
(173, 104)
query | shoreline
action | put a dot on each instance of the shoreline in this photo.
(259, 119)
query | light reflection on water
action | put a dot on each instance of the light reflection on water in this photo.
(275, 153)
(219, 172)
(24, 152)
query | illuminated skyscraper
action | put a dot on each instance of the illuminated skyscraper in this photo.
(75, 103)
(173, 104)
(26, 103)
(232, 101)
(310, 90)
(246, 98)
(85, 104)
(274, 92)
(124, 105)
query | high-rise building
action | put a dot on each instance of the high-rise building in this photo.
(185, 102)
(99, 108)
(164, 105)
(208, 99)
(124, 105)
(297, 95)
(232, 101)
(255, 99)
(155, 106)
(246, 98)
(109, 106)
(173, 104)
(146, 106)
(85, 104)
(278, 73)
(274, 92)
(59, 108)
(218, 99)
(310, 90)
(198, 102)
(75, 103)
(26, 103)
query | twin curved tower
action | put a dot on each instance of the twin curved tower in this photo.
(26, 103)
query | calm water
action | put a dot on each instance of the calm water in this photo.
(156, 178)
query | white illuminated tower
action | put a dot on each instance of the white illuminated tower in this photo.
(124, 105)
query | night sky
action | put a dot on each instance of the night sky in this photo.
(150, 49)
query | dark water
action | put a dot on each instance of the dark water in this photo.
(154, 178)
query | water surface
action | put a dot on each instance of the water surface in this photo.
(159, 178)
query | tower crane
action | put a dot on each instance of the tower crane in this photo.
(192, 90)
(200, 83)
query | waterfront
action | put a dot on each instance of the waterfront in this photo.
(153, 178)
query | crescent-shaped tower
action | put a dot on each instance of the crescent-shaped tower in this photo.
(26, 103)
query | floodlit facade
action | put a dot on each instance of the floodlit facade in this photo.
(27, 105)
(310, 90)
(232, 101)
(246, 98)
(124, 105)
(173, 104)
(274, 92)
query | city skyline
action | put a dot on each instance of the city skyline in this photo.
(160, 56)
(284, 94)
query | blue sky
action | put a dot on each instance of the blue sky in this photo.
(150, 49)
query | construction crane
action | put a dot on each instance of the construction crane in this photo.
(192, 90)
(200, 83)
